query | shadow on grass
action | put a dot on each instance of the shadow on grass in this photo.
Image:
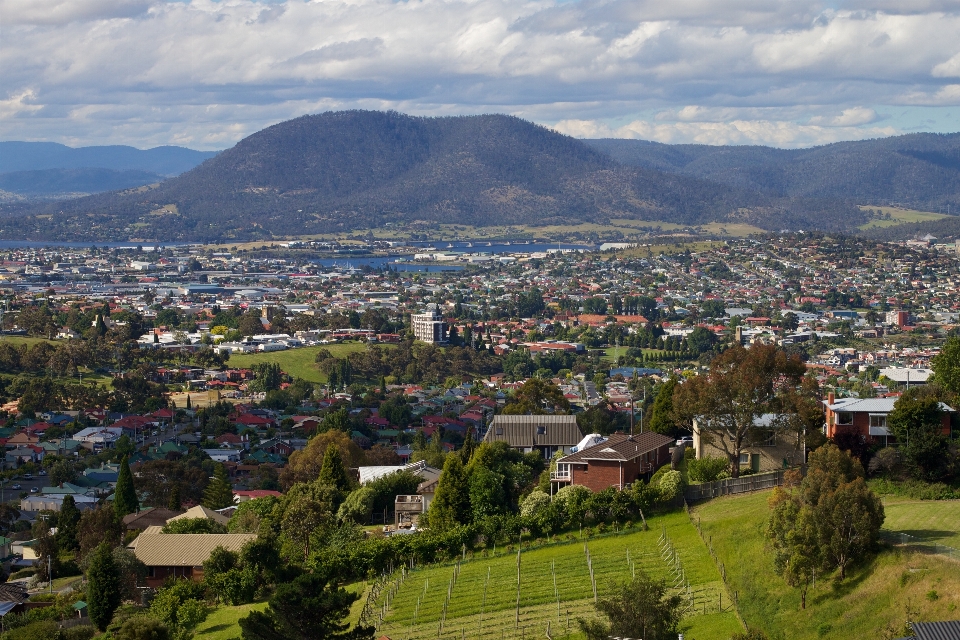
(927, 535)
(855, 576)
(214, 629)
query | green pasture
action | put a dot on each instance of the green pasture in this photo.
(933, 520)
(900, 216)
(483, 600)
(874, 600)
(299, 363)
(224, 622)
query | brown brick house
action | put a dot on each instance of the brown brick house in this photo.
(616, 462)
(181, 555)
(867, 418)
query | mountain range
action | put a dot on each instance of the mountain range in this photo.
(348, 170)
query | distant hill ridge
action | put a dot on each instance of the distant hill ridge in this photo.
(36, 156)
(920, 170)
(347, 170)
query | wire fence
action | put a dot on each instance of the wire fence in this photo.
(905, 540)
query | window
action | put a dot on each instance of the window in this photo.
(499, 431)
(541, 431)
(845, 418)
(744, 458)
(878, 421)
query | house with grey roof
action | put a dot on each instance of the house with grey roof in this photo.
(546, 434)
(867, 418)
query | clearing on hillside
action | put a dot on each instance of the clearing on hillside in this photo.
(875, 600)
(478, 598)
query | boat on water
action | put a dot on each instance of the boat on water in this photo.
(469, 245)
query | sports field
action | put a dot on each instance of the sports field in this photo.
(299, 363)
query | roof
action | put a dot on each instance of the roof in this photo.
(947, 630)
(154, 516)
(184, 549)
(621, 447)
(201, 511)
(870, 405)
(530, 431)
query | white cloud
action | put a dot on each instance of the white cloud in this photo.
(205, 72)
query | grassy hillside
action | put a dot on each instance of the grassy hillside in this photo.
(538, 600)
(873, 602)
(299, 363)
(934, 520)
(900, 216)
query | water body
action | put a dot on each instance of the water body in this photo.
(38, 244)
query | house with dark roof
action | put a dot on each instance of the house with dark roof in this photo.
(544, 433)
(618, 461)
(152, 517)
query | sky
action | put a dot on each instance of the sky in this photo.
(205, 73)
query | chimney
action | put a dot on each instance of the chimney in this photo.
(830, 398)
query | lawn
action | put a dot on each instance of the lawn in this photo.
(934, 520)
(873, 602)
(900, 216)
(299, 363)
(538, 600)
(223, 623)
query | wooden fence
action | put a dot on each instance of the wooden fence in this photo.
(744, 484)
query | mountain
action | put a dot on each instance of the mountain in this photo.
(920, 171)
(34, 156)
(363, 169)
(70, 183)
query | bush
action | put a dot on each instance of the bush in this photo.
(915, 489)
(670, 486)
(143, 628)
(706, 469)
(22, 573)
(193, 525)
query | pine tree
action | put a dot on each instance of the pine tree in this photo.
(189, 405)
(67, 523)
(219, 493)
(451, 504)
(125, 496)
(333, 472)
(103, 588)
(174, 502)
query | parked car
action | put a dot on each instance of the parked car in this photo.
(28, 476)
(43, 472)
(685, 442)
(16, 486)
(34, 490)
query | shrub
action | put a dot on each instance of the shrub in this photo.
(670, 486)
(143, 628)
(706, 469)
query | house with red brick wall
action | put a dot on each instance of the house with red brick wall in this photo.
(618, 461)
(867, 418)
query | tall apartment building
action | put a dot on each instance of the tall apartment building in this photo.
(429, 326)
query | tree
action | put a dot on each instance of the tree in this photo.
(358, 506)
(307, 608)
(193, 525)
(48, 557)
(741, 386)
(946, 365)
(67, 524)
(451, 503)
(917, 422)
(174, 503)
(125, 496)
(305, 465)
(640, 608)
(144, 628)
(250, 323)
(332, 472)
(97, 526)
(701, 340)
(537, 397)
(661, 413)
(103, 588)
(830, 521)
(303, 516)
(219, 493)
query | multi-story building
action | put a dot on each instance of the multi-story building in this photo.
(429, 327)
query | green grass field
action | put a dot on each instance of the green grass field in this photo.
(223, 623)
(538, 600)
(934, 520)
(900, 216)
(299, 363)
(873, 602)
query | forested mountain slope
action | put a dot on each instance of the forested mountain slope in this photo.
(362, 169)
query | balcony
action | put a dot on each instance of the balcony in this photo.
(560, 476)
